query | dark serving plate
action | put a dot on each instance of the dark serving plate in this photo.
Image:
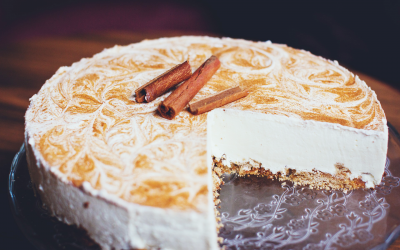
(257, 213)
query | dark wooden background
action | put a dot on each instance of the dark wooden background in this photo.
(25, 66)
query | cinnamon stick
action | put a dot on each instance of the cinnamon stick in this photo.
(217, 100)
(161, 84)
(182, 95)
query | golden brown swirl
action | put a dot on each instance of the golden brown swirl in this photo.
(86, 127)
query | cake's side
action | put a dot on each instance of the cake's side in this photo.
(114, 223)
(318, 154)
(105, 222)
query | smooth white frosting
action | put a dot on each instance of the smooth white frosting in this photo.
(280, 143)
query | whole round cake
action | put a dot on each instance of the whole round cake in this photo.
(133, 179)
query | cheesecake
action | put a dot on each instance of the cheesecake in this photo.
(133, 179)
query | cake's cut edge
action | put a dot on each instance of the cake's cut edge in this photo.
(309, 149)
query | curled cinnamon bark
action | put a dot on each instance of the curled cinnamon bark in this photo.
(217, 100)
(161, 84)
(182, 95)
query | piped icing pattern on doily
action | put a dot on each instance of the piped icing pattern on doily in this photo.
(87, 127)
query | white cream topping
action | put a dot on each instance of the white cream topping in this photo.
(280, 143)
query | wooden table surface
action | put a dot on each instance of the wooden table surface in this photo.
(25, 66)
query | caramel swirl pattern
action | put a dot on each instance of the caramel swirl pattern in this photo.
(86, 127)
